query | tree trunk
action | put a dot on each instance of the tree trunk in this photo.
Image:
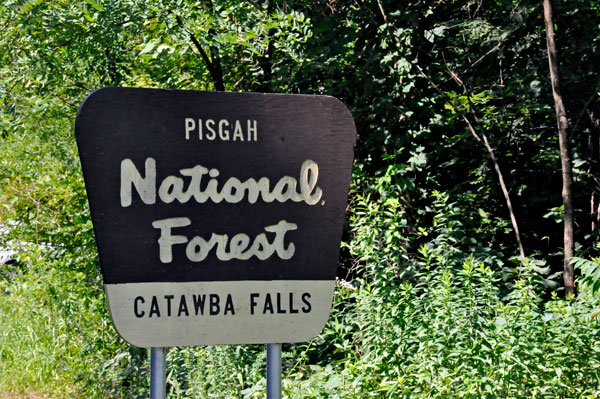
(565, 160)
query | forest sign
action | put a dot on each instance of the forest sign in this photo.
(218, 216)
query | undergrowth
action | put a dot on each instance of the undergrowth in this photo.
(425, 316)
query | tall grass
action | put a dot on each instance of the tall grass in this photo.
(36, 344)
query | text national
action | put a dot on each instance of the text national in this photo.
(233, 190)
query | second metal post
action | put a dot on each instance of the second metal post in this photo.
(273, 371)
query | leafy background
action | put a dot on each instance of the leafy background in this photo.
(433, 299)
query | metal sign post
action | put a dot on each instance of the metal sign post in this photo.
(158, 373)
(273, 371)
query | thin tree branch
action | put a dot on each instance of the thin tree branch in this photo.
(495, 48)
(77, 84)
(382, 12)
(214, 66)
(484, 140)
(202, 54)
(451, 103)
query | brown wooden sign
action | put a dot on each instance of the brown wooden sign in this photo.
(218, 216)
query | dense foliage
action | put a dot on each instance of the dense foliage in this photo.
(434, 299)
